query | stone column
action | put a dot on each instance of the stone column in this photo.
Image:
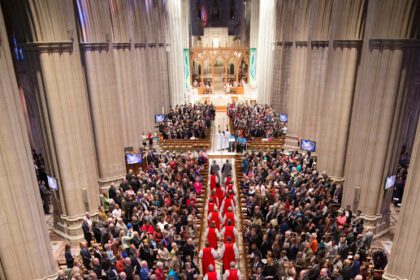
(65, 106)
(253, 32)
(25, 249)
(266, 32)
(380, 87)
(178, 35)
(315, 66)
(103, 91)
(404, 262)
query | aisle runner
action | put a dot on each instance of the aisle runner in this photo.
(238, 222)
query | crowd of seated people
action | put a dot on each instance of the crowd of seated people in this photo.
(147, 226)
(187, 121)
(296, 229)
(253, 121)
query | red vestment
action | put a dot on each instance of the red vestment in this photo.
(211, 275)
(207, 259)
(233, 274)
(212, 182)
(230, 216)
(229, 233)
(215, 218)
(212, 238)
(228, 255)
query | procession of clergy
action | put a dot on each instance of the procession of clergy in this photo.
(221, 226)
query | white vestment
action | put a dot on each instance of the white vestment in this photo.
(227, 136)
(219, 145)
(224, 141)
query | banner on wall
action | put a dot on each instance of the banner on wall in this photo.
(187, 74)
(252, 66)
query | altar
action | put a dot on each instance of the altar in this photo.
(219, 62)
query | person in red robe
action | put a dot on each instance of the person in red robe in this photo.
(229, 215)
(229, 232)
(213, 235)
(213, 182)
(229, 253)
(215, 217)
(232, 273)
(220, 193)
(227, 202)
(210, 205)
(229, 187)
(212, 274)
(228, 180)
(207, 256)
(214, 198)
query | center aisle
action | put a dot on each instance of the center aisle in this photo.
(220, 158)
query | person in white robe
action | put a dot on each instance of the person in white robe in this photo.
(219, 145)
(227, 136)
(224, 141)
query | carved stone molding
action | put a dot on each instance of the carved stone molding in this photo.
(140, 45)
(301, 43)
(105, 183)
(58, 46)
(94, 46)
(284, 43)
(320, 44)
(201, 54)
(393, 43)
(70, 227)
(347, 43)
(121, 45)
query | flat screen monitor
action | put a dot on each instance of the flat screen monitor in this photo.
(52, 183)
(134, 158)
(390, 181)
(159, 118)
(308, 145)
(284, 117)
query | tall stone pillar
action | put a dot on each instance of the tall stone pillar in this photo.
(178, 35)
(54, 49)
(103, 91)
(25, 249)
(380, 87)
(404, 262)
(253, 32)
(315, 65)
(265, 53)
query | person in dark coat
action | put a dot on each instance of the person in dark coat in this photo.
(86, 256)
(87, 233)
(69, 256)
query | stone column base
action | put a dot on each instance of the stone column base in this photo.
(377, 223)
(388, 276)
(49, 277)
(71, 227)
(105, 183)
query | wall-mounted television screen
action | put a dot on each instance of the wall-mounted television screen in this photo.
(52, 183)
(134, 158)
(284, 117)
(308, 145)
(159, 118)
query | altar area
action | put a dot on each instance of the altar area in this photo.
(219, 69)
(220, 99)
